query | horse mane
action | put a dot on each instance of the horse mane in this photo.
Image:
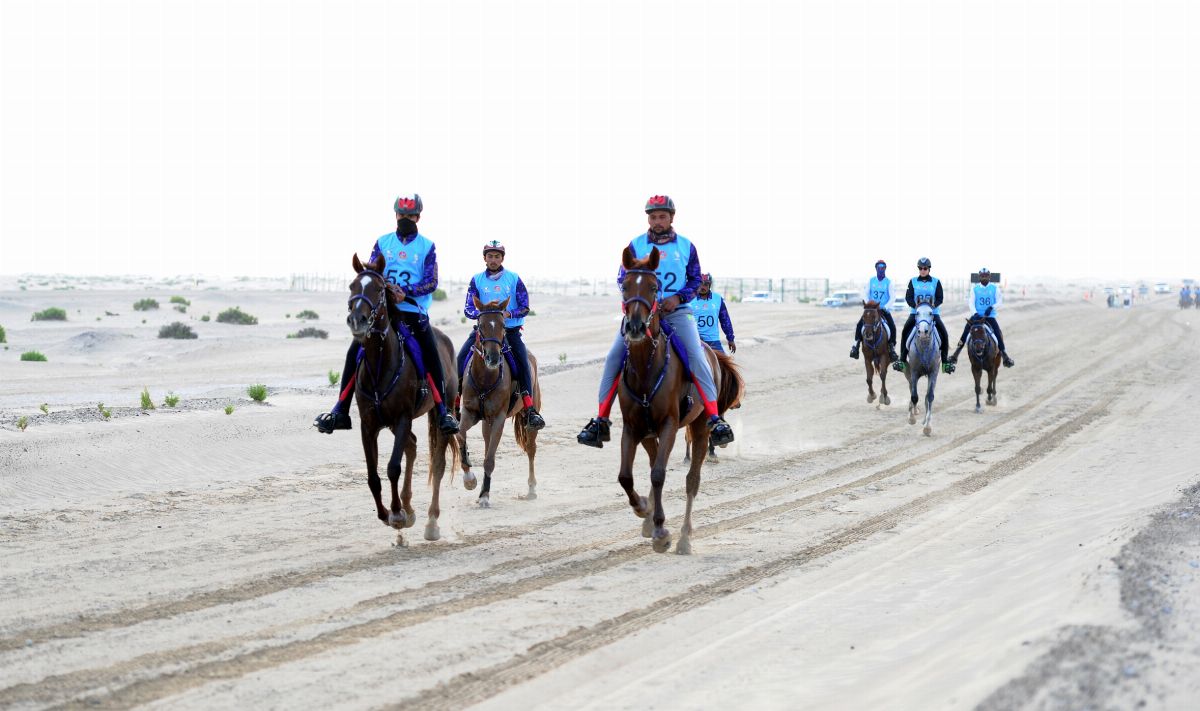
(497, 305)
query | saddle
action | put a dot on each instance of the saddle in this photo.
(977, 320)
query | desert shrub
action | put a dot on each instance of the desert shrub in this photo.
(147, 403)
(439, 294)
(178, 329)
(180, 300)
(145, 305)
(170, 400)
(45, 408)
(50, 314)
(257, 392)
(33, 355)
(22, 422)
(180, 308)
(309, 333)
(562, 357)
(229, 409)
(104, 411)
(308, 315)
(3, 336)
(333, 377)
(236, 316)
(205, 318)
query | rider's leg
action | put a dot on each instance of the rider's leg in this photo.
(464, 353)
(857, 338)
(1008, 362)
(339, 417)
(430, 363)
(908, 327)
(683, 322)
(961, 341)
(941, 329)
(524, 373)
(887, 316)
(595, 432)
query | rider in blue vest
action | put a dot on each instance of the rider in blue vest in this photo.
(879, 290)
(982, 301)
(679, 278)
(709, 309)
(410, 267)
(924, 289)
(1185, 294)
(493, 284)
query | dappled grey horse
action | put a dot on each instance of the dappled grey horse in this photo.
(924, 359)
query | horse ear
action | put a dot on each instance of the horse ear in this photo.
(356, 263)
(477, 302)
(378, 264)
(627, 258)
(655, 255)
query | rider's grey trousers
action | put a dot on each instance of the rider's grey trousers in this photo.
(684, 323)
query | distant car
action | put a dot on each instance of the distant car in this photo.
(843, 298)
(761, 297)
(899, 305)
(1162, 288)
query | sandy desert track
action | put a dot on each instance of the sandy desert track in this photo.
(189, 559)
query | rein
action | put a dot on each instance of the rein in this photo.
(374, 371)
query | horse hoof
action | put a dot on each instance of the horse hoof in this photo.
(485, 502)
(397, 520)
(684, 547)
(662, 543)
(978, 409)
(871, 397)
(530, 496)
(928, 430)
(432, 532)
(400, 542)
(469, 481)
(642, 510)
(885, 400)
(912, 419)
(410, 518)
(647, 527)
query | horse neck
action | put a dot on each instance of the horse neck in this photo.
(381, 354)
(646, 358)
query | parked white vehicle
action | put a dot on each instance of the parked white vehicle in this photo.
(762, 297)
(838, 299)
(1162, 288)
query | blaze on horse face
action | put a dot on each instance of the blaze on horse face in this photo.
(639, 294)
(368, 299)
(490, 333)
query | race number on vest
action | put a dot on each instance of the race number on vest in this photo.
(925, 292)
(984, 297)
(672, 263)
(405, 265)
(707, 312)
(880, 292)
(502, 287)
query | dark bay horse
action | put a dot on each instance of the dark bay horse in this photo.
(924, 359)
(985, 357)
(488, 396)
(391, 393)
(876, 356)
(654, 404)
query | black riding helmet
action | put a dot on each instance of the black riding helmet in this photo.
(924, 262)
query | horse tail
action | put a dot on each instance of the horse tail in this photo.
(452, 441)
(733, 386)
(521, 432)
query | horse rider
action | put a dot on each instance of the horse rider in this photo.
(709, 309)
(1185, 294)
(411, 271)
(495, 283)
(879, 290)
(679, 278)
(924, 289)
(983, 300)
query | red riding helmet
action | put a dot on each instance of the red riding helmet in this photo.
(408, 205)
(660, 202)
(493, 246)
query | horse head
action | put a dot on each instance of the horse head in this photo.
(978, 337)
(870, 319)
(639, 295)
(368, 299)
(489, 334)
(924, 322)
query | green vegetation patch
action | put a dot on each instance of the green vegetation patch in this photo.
(236, 316)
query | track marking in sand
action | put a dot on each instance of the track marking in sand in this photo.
(264, 658)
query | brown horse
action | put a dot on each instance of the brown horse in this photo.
(876, 356)
(391, 393)
(654, 404)
(488, 397)
(985, 356)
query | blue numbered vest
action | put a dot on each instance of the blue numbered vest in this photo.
(925, 291)
(405, 265)
(708, 312)
(880, 292)
(672, 263)
(502, 287)
(983, 297)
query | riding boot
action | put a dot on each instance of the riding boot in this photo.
(854, 351)
(892, 352)
(595, 433)
(957, 350)
(1008, 362)
(533, 420)
(902, 363)
(339, 417)
(719, 431)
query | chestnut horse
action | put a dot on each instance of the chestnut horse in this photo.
(654, 403)
(985, 357)
(875, 352)
(487, 397)
(391, 393)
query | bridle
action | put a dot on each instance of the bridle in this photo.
(375, 308)
(651, 306)
(373, 371)
(979, 340)
(644, 399)
(480, 340)
(872, 330)
(477, 350)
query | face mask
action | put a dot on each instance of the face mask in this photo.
(879, 273)
(406, 227)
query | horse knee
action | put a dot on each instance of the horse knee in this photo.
(658, 477)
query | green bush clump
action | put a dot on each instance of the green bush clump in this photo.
(147, 403)
(309, 332)
(257, 392)
(333, 377)
(229, 409)
(180, 308)
(178, 329)
(439, 294)
(50, 314)
(3, 336)
(308, 315)
(22, 422)
(180, 300)
(145, 305)
(170, 400)
(33, 355)
(205, 318)
(45, 408)
(236, 316)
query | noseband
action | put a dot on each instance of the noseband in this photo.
(374, 307)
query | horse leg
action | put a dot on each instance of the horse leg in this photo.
(650, 444)
(991, 387)
(641, 508)
(870, 379)
(493, 430)
(883, 395)
(912, 391)
(397, 518)
(468, 421)
(371, 452)
(410, 460)
(699, 436)
(687, 451)
(530, 453)
(932, 377)
(437, 469)
(977, 372)
(658, 476)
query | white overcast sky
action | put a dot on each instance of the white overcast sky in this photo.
(1035, 137)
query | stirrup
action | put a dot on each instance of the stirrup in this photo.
(327, 422)
(1008, 362)
(533, 420)
(948, 367)
(595, 433)
(899, 365)
(719, 432)
(854, 351)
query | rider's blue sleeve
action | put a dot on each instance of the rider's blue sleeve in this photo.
(726, 324)
(469, 309)
(522, 301)
(429, 279)
(688, 292)
(375, 252)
